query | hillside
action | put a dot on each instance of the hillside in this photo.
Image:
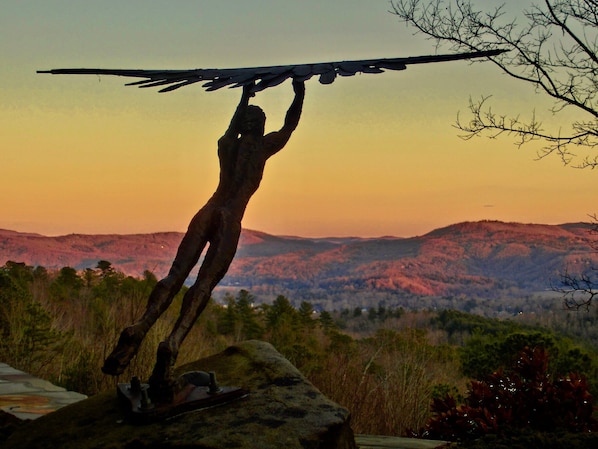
(473, 259)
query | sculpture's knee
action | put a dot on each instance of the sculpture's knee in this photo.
(171, 284)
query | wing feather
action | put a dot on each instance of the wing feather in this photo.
(269, 76)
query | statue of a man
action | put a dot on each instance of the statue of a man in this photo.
(243, 151)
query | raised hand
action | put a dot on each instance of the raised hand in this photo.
(298, 86)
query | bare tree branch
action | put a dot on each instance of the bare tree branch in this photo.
(579, 290)
(554, 47)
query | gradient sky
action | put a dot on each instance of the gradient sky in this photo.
(373, 154)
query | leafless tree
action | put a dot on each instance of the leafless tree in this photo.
(579, 290)
(553, 46)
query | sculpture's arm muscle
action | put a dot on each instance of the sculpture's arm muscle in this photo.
(235, 124)
(275, 141)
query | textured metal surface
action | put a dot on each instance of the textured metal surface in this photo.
(269, 76)
(136, 397)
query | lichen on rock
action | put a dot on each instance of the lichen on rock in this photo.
(282, 410)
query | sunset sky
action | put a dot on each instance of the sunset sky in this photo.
(373, 154)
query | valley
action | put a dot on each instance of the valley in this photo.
(485, 264)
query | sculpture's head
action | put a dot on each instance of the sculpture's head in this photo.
(254, 121)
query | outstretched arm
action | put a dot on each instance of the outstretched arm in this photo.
(235, 124)
(274, 142)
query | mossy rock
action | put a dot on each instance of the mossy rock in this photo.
(8, 425)
(282, 410)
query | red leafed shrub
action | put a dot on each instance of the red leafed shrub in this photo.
(522, 396)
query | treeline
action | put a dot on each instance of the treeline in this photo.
(386, 364)
(496, 304)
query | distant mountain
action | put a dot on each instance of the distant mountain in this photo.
(473, 259)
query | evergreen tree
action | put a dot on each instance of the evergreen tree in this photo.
(281, 313)
(67, 285)
(306, 312)
(250, 327)
(327, 322)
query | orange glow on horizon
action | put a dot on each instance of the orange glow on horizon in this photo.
(373, 154)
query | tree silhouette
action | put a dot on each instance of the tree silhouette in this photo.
(554, 48)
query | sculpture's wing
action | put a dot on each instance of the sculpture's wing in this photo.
(264, 77)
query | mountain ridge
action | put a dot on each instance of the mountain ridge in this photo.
(481, 258)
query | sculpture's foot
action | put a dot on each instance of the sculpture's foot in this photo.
(193, 391)
(163, 385)
(128, 344)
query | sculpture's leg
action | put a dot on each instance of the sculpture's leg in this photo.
(218, 258)
(161, 297)
(131, 337)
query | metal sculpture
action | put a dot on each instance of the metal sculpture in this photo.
(243, 151)
(264, 77)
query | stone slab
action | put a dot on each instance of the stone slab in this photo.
(27, 397)
(386, 442)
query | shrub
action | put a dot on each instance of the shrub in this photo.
(523, 396)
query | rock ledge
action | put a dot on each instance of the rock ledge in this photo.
(283, 410)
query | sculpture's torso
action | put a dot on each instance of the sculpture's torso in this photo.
(242, 163)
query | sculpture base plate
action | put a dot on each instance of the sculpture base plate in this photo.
(189, 398)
